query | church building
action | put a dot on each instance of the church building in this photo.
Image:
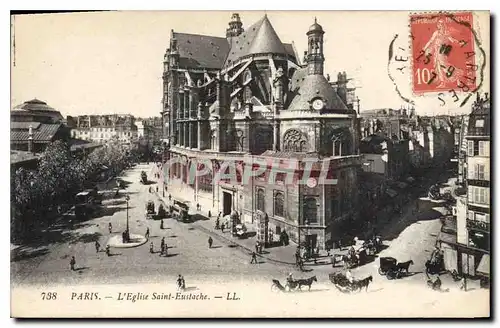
(248, 96)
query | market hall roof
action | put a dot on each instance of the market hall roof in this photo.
(42, 133)
(35, 105)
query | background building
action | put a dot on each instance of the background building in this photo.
(247, 94)
(102, 128)
(34, 125)
(467, 249)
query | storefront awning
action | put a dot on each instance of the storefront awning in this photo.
(484, 265)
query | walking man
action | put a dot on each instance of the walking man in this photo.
(110, 227)
(108, 250)
(257, 246)
(97, 246)
(72, 263)
(222, 228)
(254, 258)
(210, 242)
(151, 248)
(165, 249)
(162, 245)
(147, 233)
(180, 282)
(161, 224)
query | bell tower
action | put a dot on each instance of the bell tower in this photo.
(235, 26)
(315, 57)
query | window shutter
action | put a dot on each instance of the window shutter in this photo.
(471, 172)
(471, 215)
(486, 196)
(471, 194)
(487, 172)
(481, 148)
(487, 148)
(470, 148)
(487, 218)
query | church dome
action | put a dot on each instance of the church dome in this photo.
(315, 27)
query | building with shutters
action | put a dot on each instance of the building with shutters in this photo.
(248, 96)
(467, 248)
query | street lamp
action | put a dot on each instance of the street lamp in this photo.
(127, 198)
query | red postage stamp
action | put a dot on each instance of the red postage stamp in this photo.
(443, 52)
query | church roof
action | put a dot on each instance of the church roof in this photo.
(258, 38)
(315, 86)
(201, 51)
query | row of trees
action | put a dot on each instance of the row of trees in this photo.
(36, 194)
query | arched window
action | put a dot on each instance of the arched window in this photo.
(279, 204)
(261, 200)
(311, 210)
(294, 140)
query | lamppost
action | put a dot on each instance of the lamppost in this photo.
(127, 198)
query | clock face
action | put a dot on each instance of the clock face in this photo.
(318, 104)
(311, 182)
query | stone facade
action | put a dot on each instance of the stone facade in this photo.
(246, 98)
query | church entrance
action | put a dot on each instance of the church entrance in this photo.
(227, 203)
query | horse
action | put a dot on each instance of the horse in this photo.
(306, 282)
(364, 283)
(404, 265)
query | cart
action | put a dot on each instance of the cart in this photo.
(389, 268)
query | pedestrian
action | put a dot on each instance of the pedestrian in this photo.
(209, 213)
(162, 242)
(222, 228)
(72, 263)
(110, 227)
(147, 233)
(165, 249)
(254, 258)
(271, 237)
(161, 224)
(179, 282)
(349, 276)
(156, 188)
(108, 250)
(151, 248)
(257, 246)
(97, 246)
(170, 198)
(210, 242)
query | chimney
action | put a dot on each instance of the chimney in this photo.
(30, 140)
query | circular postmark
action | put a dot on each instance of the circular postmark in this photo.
(441, 62)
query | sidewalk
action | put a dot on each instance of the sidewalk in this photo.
(278, 254)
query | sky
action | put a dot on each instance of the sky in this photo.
(111, 62)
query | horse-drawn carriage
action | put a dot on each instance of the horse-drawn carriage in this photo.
(355, 258)
(343, 284)
(390, 267)
(150, 210)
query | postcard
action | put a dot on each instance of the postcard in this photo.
(251, 164)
